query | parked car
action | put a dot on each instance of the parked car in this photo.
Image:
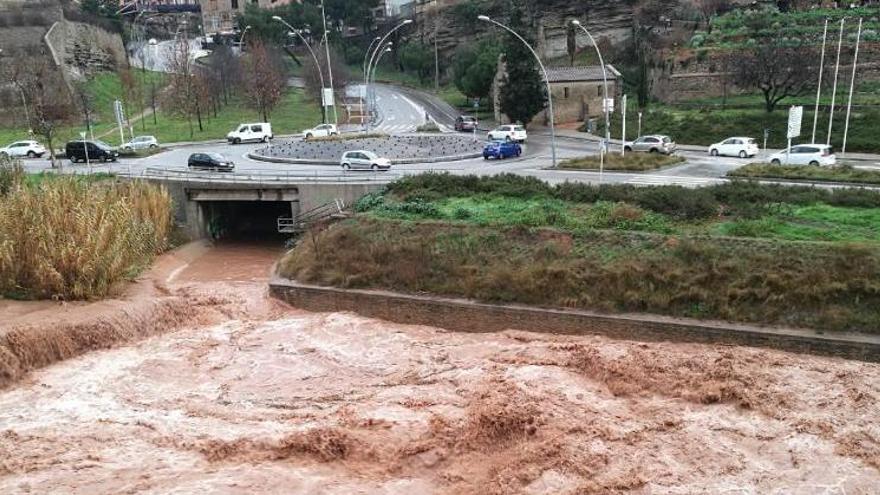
(93, 151)
(508, 133)
(141, 143)
(805, 154)
(210, 161)
(323, 130)
(465, 123)
(652, 144)
(363, 159)
(258, 132)
(501, 149)
(30, 149)
(743, 147)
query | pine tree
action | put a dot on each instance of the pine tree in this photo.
(523, 93)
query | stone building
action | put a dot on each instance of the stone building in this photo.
(577, 93)
(218, 16)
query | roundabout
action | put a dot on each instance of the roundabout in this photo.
(399, 149)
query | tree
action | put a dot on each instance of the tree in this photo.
(417, 58)
(779, 70)
(47, 98)
(263, 81)
(181, 95)
(474, 68)
(523, 94)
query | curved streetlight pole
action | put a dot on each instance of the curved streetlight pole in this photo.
(604, 102)
(241, 41)
(367, 54)
(296, 32)
(376, 65)
(376, 51)
(486, 18)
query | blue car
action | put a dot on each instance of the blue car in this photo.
(501, 149)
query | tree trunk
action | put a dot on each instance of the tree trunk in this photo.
(153, 102)
(199, 116)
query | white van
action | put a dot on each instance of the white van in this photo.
(258, 132)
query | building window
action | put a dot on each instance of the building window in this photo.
(565, 92)
(234, 4)
(599, 90)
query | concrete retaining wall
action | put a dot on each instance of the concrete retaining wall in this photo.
(469, 316)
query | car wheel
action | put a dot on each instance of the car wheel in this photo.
(309, 136)
(346, 167)
(627, 149)
(653, 150)
(713, 152)
(153, 146)
(265, 139)
(814, 163)
(743, 154)
(518, 152)
(507, 138)
(375, 167)
(31, 154)
(775, 161)
(485, 157)
(236, 141)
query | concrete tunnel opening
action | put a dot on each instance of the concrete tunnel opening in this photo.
(245, 220)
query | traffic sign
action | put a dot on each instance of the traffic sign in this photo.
(795, 115)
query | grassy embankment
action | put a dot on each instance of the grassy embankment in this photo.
(740, 252)
(292, 115)
(843, 173)
(630, 162)
(72, 237)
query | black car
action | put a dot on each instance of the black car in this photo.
(93, 151)
(210, 161)
(465, 124)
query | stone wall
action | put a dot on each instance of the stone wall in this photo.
(469, 316)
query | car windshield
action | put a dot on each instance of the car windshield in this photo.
(666, 139)
(216, 156)
(102, 144)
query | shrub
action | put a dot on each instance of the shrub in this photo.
(679, 202)
(69, 238)
(369, 201)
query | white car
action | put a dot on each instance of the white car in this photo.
(30, 149)
(141, 143)
(363, 159)
(743, 147)
(323, 130)
(260, 132)
(805, 154)
(508, 133)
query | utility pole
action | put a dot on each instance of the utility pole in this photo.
(819, 86)
(852, 84)
(834, 88)
(329, 67)
(436, 56)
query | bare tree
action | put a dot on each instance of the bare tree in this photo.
(132, 94)
(709, 8)
(181, 95)
(312, 80)
(777, 70)
(47, 99)
(263, 80)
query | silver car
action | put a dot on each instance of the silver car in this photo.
(141, 143)
(365, 160)
(655, 143)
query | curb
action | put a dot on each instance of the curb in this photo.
(398, 161)
(466, 315)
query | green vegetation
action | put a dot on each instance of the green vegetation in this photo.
(740, 251)
(293, 114)
(631, 162)
(843, 173)
(70, 237)
(747, 27)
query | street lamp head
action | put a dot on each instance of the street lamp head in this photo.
(276, 18)
(407, 21)
(576, 22)
(388, 49)
(484, 18)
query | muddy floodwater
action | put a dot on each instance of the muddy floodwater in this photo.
(252, 396)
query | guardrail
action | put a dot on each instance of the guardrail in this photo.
(266, 176)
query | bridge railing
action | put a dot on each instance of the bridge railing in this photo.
(268, 176)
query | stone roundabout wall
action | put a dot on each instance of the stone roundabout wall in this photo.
(399, 149)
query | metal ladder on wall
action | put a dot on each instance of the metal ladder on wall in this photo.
(303, 221)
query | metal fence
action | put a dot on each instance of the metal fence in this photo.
(268, 176)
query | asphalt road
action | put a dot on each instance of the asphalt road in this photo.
(401, 111)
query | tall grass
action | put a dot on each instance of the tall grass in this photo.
(829, 287)
(72, 239)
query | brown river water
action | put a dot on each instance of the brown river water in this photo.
(247, 395)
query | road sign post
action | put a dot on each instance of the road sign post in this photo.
(795, 116)
(623, 125)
